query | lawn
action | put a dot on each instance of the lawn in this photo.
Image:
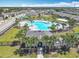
(9, 36)
(76, 29)
(8, 52)
(72, 54)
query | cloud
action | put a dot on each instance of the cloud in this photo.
(60, 4)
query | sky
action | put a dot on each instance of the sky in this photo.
(39, 3)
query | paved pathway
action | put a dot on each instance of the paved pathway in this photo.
(38, 34)
(40, 53)
(40, 56)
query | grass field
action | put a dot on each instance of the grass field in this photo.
(9, 36)
(76, 29)
(72, 54)
(8, 52)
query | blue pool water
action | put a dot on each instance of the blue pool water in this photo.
(40, 25)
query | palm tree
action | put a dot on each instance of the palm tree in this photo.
(25, 28)
(16, 22)
(23, 34)
(53, 28)
(45, 39)
(71, 22)
(1, 10)
(70, 38)
(39, 16)
(34, 42)
(19, 35)
(53, 40)
(48, 41)
(54, 17)
(31, 42)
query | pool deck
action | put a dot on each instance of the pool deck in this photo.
(38, 34)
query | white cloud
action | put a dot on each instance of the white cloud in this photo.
(60, 4)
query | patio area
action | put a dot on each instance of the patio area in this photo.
(38, 34)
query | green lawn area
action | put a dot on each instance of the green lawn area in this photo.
(7, 52)
(76, 29)
(68, 55)
(72, 54)
(9, 36)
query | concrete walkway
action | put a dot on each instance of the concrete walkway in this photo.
(40, 56)
(40, 53)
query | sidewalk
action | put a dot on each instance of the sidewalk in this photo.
(40, 56)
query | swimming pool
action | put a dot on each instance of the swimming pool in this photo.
(39, 25)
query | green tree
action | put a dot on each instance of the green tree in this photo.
(70, 38)
(39, 16)
(49, 40)
(1, 10)
(22, 34)
(71, 22)
(53, 27)
(25, 28)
